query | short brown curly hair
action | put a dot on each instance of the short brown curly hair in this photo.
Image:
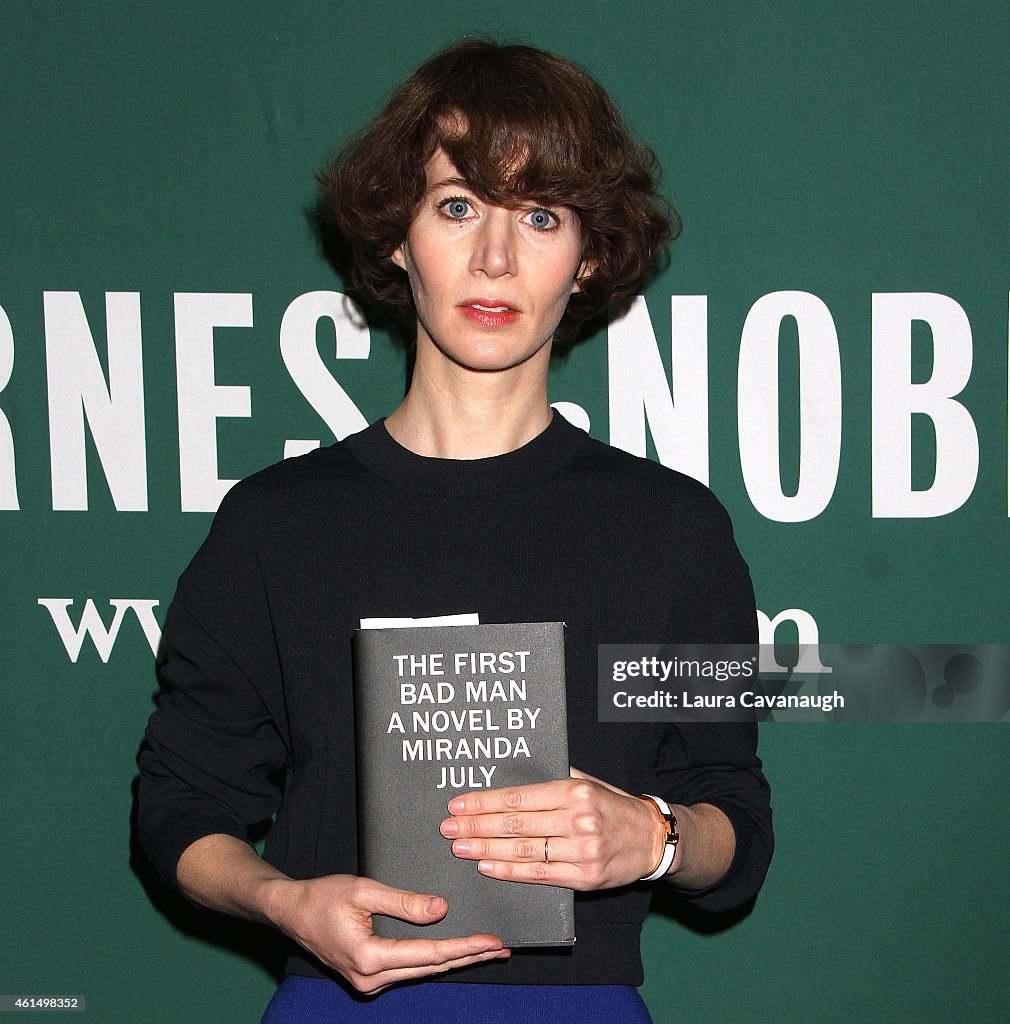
(519, 124)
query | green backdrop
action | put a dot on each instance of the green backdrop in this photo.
(821, 154)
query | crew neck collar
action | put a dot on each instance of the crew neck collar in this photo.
(536, 460)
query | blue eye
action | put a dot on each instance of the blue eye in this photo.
(541, 219)
(457, 209)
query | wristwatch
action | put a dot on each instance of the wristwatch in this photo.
(671, 838)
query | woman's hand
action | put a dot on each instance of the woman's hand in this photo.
(331, 917)
(580, 833)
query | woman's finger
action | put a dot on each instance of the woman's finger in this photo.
(538, 796)
(531, 850)
(512, 823)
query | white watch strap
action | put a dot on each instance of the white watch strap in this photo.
(670, 847)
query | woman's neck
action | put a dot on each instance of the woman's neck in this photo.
(465, 414)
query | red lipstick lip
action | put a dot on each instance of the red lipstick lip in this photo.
(489, 304)
(494, 314)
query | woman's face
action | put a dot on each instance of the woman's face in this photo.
(490, 284)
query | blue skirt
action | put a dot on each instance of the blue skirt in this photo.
(317, 1001)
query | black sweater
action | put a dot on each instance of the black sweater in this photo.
(255, 718)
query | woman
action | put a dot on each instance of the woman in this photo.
(496, 199)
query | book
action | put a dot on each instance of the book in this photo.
(444, 709)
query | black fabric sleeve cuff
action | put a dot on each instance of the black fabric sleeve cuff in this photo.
(751, 858)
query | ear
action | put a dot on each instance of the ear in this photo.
(586, 270)
(399, 255)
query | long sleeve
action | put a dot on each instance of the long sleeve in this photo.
(213, 749)
(717, 763)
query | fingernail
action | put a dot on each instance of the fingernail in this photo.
(461, 847)
(433, 906)
(449, 827)
(456, 804)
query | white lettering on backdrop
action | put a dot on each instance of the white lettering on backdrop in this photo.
(202, 402)
(896, 399)
(8, 478)
(103, 638)
(78, 390)
(301, 357)
(820, 437)
(643, 401)
(676, 413)
(92, 625)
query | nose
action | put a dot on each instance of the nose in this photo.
(494, 249)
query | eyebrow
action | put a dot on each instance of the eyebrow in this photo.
(455, 181)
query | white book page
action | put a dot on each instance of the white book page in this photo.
(393, 622)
